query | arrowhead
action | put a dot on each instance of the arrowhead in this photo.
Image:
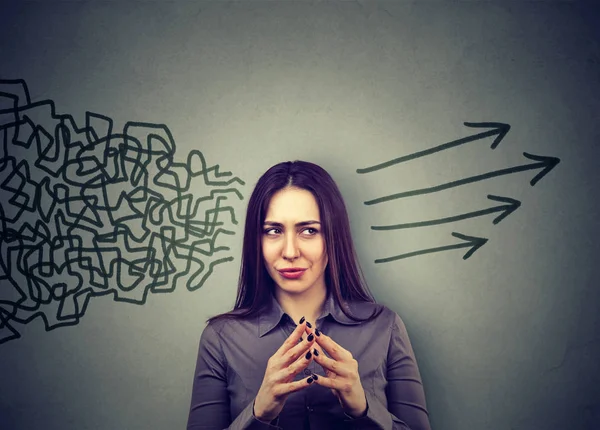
(475, 242)
(511, 206)
(497, 128)
(548, 163)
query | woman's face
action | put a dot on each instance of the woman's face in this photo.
(292, 238)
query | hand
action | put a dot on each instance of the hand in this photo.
(283, 366)
(342, 375)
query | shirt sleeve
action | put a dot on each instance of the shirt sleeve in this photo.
(210, 408)
(406, 405)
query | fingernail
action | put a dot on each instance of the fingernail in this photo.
(309, 325)
(317, 332)
(316, 352)
(310, 337)
(301, 339)
(308, 355)
(315, 377)
(301, 320)
(310, 380)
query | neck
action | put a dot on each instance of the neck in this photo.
(308, 305)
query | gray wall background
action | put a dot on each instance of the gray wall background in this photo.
(507, 339)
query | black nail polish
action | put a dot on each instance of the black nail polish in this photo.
(317, 332)
(301, 320)
(309, 325)
(310, 380)
(301, 339)
(310, 337)
(308, 355)
(316, 352)
(315, 377)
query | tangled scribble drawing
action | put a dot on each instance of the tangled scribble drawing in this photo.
(499, 130)
(87, 211)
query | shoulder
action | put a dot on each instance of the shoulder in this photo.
(364, 310)
(224, 324)
(384, 317)
(214, 330)
(227, 320)
(230, 329)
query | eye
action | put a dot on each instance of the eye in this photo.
(270, 231)
(311, 231)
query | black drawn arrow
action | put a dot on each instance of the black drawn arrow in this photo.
(542, 162)
(497, 129)
(474, 243)
(505, 209)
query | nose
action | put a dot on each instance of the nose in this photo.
(290, 247)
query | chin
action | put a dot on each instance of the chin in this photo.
(296, 289)
(293, 289)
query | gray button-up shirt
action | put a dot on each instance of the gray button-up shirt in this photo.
(233, 356)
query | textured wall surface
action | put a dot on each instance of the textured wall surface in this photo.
(463, 135)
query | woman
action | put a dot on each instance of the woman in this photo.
(346, 363)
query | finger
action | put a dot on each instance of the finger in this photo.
(318, 352)
(328, 364)
(331, 347)
(340, 385)
(292, 339)
(308, 330)
(290, 387)
(287, 374)
(295, 352)
(309, 327)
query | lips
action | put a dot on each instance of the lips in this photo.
(292, 273)
(292, 269)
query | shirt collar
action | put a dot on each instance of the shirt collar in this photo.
(272, 316)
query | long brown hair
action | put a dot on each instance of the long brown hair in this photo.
(343, 276)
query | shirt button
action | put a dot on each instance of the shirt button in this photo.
(310, 409)
(307, 372)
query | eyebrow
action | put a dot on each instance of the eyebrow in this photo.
(298, 224)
